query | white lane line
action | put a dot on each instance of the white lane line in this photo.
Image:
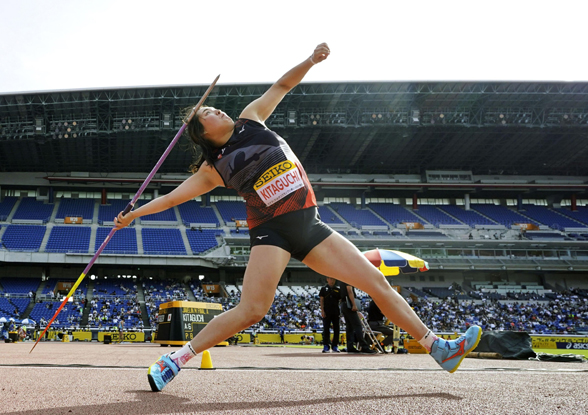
(237, 369)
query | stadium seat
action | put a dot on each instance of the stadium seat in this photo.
(70, 238)
(201, 240)
(124, 241)
(33, 211)
(23, 237)
(75, 207)
(161, 241)
(192, 213)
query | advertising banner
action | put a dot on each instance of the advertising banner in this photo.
(560, 342)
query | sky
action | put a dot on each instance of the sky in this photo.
(83, 44)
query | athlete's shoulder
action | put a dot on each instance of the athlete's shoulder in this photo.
(242, 123)
(209, 173)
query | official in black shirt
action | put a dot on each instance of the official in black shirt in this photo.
(353, 328)
(330, 296)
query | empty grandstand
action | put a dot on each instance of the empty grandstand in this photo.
(502, 222)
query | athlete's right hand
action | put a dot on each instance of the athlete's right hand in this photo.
(123, 221)
(321, 52)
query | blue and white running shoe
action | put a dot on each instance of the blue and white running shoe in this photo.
(162, 372)
(450, 353)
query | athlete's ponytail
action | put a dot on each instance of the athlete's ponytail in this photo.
(201, 148)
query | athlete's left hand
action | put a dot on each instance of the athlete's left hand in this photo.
(321, 53)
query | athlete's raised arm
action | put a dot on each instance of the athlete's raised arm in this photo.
(260, 109)
(203, 181)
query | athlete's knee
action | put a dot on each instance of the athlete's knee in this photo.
(252, 313)
(379, 288)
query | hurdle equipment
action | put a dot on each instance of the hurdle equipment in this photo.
(131, 204)
(370, 333)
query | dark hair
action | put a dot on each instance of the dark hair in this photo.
(201, 148)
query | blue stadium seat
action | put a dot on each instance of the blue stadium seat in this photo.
(160, 241)
(72, 238)
(394, 214)
(69, 315)
(12, 307)
(232, 211)
(32, 209)
(580, 215)
(120, 287)
(124, 241)
(14, 285)
(437, 217)
(76, 207)
(6, 207)
(192, 212)
(550, 218)
(25, 238)
(168, 215)
(107, 213)
(328, 216)
(50, 285)
(469, 217)
(202, 240)
(502, 214)
(357, 217)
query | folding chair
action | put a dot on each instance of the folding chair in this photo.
(371, 335)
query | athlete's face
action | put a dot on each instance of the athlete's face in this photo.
(215, 122)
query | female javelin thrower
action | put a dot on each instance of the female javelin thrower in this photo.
(283, 222)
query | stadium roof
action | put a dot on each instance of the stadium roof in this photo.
(510, 128)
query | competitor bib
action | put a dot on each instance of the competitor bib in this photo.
(278, 182)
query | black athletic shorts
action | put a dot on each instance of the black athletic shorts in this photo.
(296, 232)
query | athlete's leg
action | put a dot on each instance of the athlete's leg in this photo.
(338, 258)
(266, 266)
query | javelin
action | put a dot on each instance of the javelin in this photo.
(130, 206)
